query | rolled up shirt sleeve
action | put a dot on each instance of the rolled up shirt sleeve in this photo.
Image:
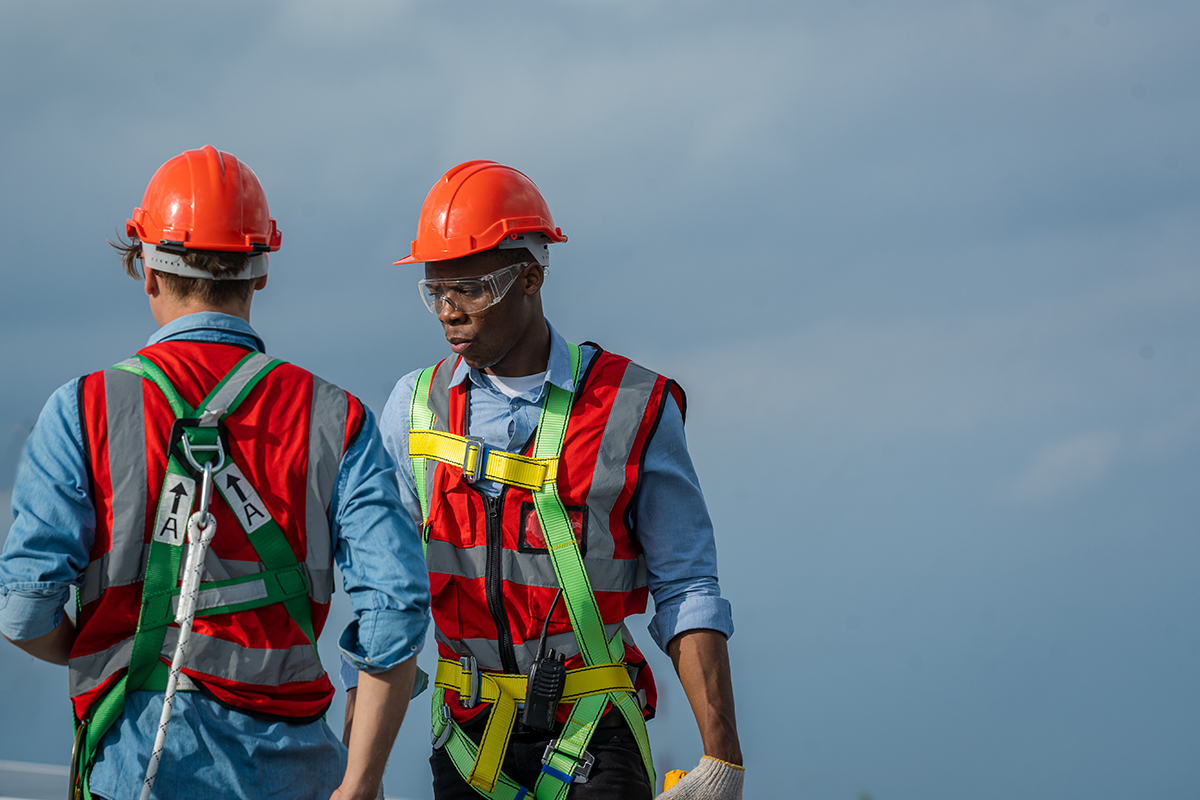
(54, 522)
(378, 549)
(676, 534)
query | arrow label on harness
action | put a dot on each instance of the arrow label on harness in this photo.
(241, 497)
(174, 508)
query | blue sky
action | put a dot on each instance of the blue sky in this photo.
(928, 272)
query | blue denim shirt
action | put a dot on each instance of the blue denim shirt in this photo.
(231, 755)
(674, 528)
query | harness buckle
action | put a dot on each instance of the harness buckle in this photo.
(470, 698)
(474, 444)
(440, 739)
(583, 764)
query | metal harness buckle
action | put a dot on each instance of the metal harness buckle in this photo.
(583, 764)
(470, 698)
(189, 449)
(448, 724)
(476, 444)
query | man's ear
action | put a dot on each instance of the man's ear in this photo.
(534, 277)
(150, 282)
(261, 283)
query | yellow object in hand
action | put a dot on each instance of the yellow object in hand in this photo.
(673, 777)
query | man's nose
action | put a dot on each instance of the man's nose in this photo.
(447, 313)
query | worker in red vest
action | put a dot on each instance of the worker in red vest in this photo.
(128, 468)
(555, 492)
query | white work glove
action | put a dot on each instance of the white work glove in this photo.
(712, 780)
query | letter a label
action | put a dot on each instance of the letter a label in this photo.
(242, 498)
(174, 508)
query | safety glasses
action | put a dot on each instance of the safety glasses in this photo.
(470, 295)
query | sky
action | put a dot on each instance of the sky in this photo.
(927, 271)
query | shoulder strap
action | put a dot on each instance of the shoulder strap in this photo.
(570, 748)
(420, 418)
(560, 535)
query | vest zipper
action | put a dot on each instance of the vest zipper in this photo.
(493, 580)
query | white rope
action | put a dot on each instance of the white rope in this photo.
(199, 539)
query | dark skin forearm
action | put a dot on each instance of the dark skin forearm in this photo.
(55, 646)
(701, 659)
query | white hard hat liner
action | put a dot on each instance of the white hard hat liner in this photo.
(162, 261)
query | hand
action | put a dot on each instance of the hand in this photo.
(343, 794)
(713, 779)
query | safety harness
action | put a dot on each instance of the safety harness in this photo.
(198, 439)
(604, 678)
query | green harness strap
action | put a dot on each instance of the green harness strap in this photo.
(282, 580)
(566, 752)
(421, 418)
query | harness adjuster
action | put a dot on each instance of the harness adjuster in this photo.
(476, 444)
(583, 764)
(469, 698)
(439, 739)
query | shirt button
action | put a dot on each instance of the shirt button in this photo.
(413, 648)
(368, 660)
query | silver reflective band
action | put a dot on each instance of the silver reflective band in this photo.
(162, 261)
(538, 245)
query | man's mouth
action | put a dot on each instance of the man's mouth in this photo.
(459, 345)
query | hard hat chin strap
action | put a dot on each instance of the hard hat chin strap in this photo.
(162, 261)
(538, 244)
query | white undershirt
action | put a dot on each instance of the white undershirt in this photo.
(511, 387)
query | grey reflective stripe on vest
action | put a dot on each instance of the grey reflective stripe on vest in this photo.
(88, 672)
(215, 569)
(327, 435)
(220, 658)
(534, 569)
(225, 596)
(233, 387)
(487, 651)
(608, 477)
(122, 565)
(207, 655)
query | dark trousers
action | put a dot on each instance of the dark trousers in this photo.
(617, 773)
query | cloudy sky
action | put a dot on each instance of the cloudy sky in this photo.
(928, 271)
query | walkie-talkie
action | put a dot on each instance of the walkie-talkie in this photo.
(544, 687)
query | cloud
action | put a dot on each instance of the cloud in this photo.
(1067, 465)
(855, 383)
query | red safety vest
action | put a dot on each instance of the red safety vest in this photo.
(491, 577)
(288, 437)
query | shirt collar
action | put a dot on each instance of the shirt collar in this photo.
(558, 369)
(209, 326)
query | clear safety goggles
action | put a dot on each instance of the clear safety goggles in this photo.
(470, 295)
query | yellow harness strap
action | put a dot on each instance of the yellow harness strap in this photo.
(505, 691)
(501, 466)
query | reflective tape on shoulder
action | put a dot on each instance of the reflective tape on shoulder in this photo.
(326, 438)
(126, 425)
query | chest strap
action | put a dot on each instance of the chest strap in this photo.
(480, 462)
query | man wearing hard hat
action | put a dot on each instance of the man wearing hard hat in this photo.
(555, 491)
(253, 476)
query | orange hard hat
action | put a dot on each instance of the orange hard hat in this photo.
(205, 200)
(479, 205)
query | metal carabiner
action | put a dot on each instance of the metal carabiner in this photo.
(189, 448)
(206, 484)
